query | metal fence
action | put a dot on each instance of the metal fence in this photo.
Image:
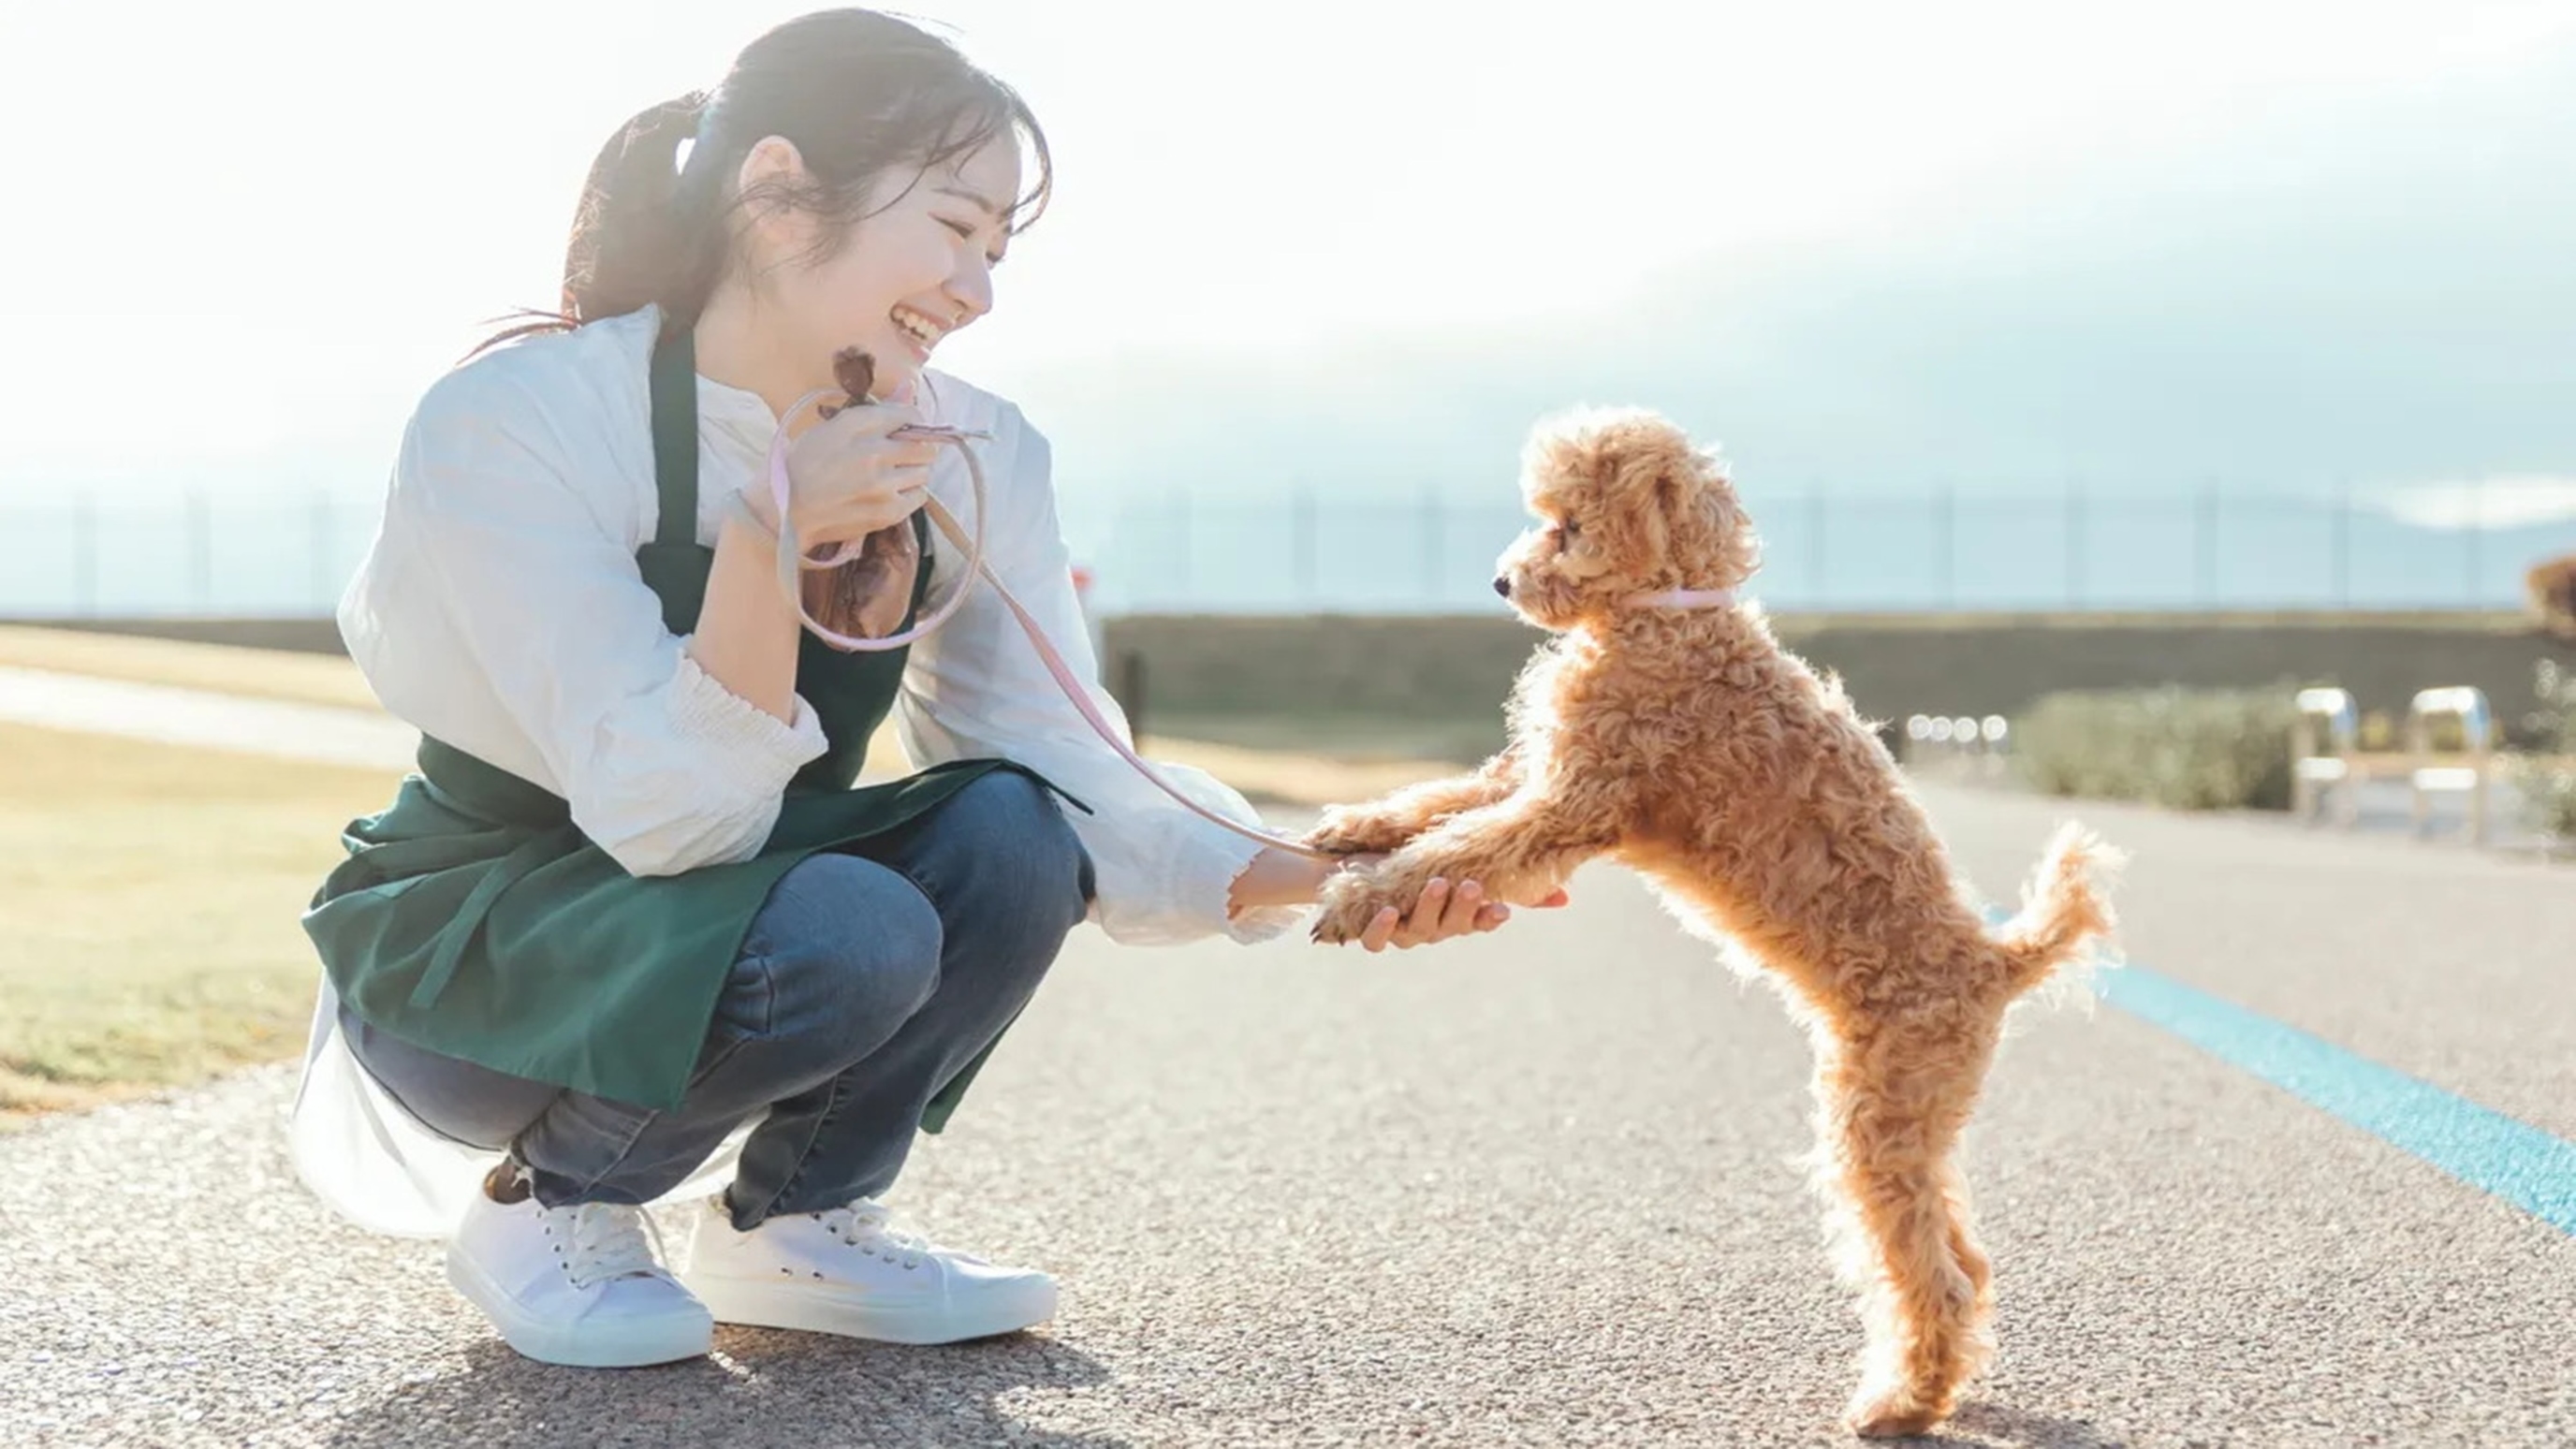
(1302, 550)
(2213, 548)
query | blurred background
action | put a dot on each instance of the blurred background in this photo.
(2216, 346)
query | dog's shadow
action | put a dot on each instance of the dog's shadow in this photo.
(759, 1387)
(1980, 1425)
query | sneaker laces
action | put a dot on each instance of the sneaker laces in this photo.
(606, 1241)
(866, 1225)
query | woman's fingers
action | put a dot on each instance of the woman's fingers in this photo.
(1465, 903)
(871, 420)
(1382, 930)
(1423, 924)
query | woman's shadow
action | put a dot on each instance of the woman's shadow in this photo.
(759, 1387)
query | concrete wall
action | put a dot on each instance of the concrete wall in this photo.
(1894, 665)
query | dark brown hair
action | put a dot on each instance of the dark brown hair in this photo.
(857, 93)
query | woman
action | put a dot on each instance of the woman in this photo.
(630, 932)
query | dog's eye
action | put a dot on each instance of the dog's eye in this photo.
(1568, 527)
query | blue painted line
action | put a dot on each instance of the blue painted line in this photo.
(2489, 1151)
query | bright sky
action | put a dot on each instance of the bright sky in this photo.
(245, 235)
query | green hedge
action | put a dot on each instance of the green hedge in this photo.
(2189, 749)
(2549, 783)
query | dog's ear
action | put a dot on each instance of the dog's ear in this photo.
(1666, 508)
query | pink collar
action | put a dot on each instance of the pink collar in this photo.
(1686, 599)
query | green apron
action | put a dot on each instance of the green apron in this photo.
(474, 919)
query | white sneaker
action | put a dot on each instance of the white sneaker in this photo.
(575, 1285)
(847, 1272)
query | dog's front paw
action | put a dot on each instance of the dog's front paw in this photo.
(1349, 902)
(1360, 830)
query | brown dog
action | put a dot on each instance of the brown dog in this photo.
(1672, 733)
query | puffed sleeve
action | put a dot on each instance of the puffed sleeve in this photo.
(976, 687)
(503, 612)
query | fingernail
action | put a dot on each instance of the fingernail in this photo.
(1471, 889)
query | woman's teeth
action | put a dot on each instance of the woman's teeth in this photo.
(918, 330)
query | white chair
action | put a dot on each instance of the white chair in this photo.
(2467, 704)
(2314, 775)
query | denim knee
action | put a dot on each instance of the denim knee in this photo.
(844, 951)
(1005, 840)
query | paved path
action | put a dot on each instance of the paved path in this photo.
(318, 732)
(1528, 1189)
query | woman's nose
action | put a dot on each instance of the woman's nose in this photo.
(972, 292)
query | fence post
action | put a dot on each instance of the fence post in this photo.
(1129, 691)
(2074, 543)
(2340, 544)
(85, 554)
(1435, 523)
(323, 590)
(1816, 544)
(2473, 541)
(201, 550)
(1301, 527)
(2205, 547)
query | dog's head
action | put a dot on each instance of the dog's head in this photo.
(1624, 505)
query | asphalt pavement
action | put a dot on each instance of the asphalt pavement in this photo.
(1533, 1188)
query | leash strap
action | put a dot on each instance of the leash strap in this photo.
(792, 561)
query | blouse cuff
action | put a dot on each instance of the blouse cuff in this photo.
(1210, 875)
(753, 752)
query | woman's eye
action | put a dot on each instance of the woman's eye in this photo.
(959, 227)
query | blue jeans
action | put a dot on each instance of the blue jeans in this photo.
(866, 983)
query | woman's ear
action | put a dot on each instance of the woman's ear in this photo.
(772, 172)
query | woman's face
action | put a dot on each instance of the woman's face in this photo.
(918, 267)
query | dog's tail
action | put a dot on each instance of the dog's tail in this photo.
(2064, 909)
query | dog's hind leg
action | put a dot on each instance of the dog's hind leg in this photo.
(1891, 1104)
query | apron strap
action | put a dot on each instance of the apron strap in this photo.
(675, 435)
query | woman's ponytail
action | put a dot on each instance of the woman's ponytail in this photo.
(635, 241)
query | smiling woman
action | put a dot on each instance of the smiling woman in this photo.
(635, 929)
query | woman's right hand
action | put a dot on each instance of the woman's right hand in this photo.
(848, 476)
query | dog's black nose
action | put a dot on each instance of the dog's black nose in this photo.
(1503, 585)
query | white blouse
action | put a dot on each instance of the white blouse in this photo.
(499, 609)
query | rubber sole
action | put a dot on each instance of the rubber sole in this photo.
(628, 1344)
(757, 1303)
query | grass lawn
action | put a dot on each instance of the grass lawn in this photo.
(152, 895)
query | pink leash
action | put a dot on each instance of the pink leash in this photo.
(791, 561)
